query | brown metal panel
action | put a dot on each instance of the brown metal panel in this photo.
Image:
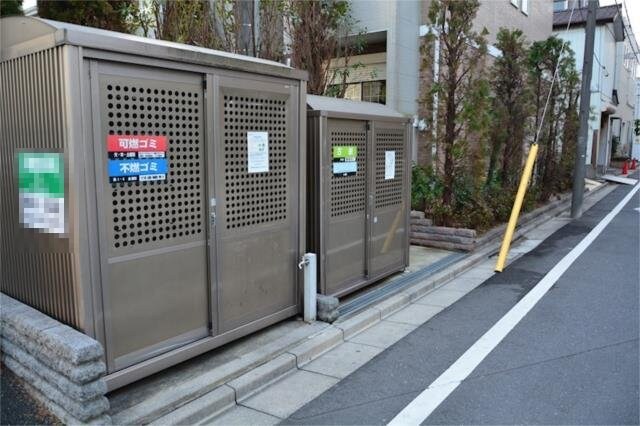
(362, 220)
(153, 234)
(389, 233)
(301, 135)
(81, 179)
(313, 131)
(346, 210)
(257, 213)
(35, 267)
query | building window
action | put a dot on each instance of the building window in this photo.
(560, 5)
(368, 91)
(353, 92)
(374, 91)
(523, 5)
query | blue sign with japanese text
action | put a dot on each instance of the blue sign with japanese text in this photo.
(138, 170)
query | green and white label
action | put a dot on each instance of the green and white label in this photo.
(344, 160)
(41, 191)
(345, 152)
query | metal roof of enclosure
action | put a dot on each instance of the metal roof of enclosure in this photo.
(21, 35)
(344, 108)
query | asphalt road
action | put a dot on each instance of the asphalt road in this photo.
(17, 407)
(573, 359)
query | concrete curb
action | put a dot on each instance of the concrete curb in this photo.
(357, 323)
(219, 399)
(214, 402)
(317, 345)
(163, 403)
(256, 379)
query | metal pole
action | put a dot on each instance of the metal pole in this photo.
(310, 286)
(585, 102)
(517, 205)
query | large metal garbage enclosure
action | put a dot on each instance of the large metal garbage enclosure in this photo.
(182, 172)
(359, 192)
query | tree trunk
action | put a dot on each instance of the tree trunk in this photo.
(547, 176)
(493, 158)
(449, 137)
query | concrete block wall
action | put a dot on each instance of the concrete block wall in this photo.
(423, 233)
(62, 367)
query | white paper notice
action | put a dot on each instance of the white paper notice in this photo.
(389, 165)
(258, 152)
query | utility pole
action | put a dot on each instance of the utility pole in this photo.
(585, 101)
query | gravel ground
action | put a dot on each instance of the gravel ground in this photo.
(17, 407)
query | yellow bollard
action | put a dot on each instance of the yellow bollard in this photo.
(517, 205)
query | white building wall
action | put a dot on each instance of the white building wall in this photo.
(373, 15)
(602, 79)
(606, 55)
(401, 20)
(636, 138)
(407, 56)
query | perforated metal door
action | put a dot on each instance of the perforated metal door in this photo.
(389, 227)
(153, 234)
(345, 238)
(257, 214)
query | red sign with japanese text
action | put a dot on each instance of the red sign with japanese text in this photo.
(137, 158)
(136, 143)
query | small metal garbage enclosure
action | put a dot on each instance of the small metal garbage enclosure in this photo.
(359, 189)
(182, 200)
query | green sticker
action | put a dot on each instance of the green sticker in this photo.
(345, 151)
(41, 173)
(41, 191)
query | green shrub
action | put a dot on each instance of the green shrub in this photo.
(500, 201)
(471, 207)
(426, 188)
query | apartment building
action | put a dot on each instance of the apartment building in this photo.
(635, 148)
(613, 81)
(391, 71)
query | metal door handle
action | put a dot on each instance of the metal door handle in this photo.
(212, 212)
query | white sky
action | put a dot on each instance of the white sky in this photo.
(633, 7)
(633, 10)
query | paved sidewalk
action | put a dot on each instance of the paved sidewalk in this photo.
(198, 390)
(279, 400)
(572, 360)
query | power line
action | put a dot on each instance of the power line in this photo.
(555, 73)
(600, 63)
(633, 42)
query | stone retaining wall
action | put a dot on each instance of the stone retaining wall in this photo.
(423, 233)
(62, 367)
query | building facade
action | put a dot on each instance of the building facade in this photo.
(391, 66)
(613, 81)
(388, 69)
(635, 148)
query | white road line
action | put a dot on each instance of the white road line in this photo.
(424, 404)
